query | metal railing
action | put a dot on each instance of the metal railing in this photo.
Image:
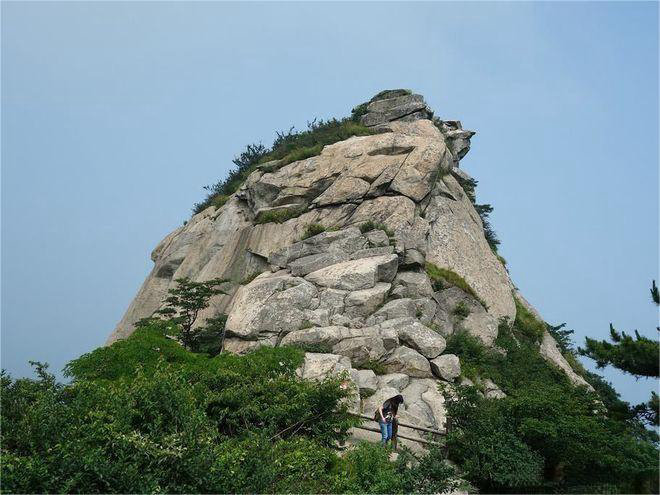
(396, 435)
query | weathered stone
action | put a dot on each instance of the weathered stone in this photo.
(369, 252)
(491, 390)
(398, 381)
(319, 317)
(377, 238)
(317, 244)
(287, 298)
(447, 367)
(436, 403)
(425, 310)
(344, 190)
(332, 300)
(412, 284)
(408, 361)
(363, 302)
(240, 346)
(398, 308)
(308, 264)
(415, 335)
(356, 274)
(394, 178)
(478, 322)
(413, 258)
(318, 366)
(386, 110)
(361, 349)
(367, 381)
(551, 353)
(391, 211)
(456, 241)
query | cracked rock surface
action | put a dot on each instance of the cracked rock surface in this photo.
(358, 302)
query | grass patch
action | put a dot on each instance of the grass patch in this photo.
(527, 324)
(370, 225)
(301, 154)
(441, 278)
(313, 229)
(376, 366)
(279, 216)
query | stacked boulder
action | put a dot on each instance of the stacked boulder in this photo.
(357, 296)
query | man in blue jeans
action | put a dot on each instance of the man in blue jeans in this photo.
(387, 413)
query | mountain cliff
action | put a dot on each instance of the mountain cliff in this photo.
(370, 255)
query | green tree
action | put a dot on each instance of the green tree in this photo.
(183, 305)
(636, 355)
(145, 415)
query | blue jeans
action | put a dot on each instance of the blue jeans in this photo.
(385, 431)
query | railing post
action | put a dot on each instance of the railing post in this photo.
(447, 430)
(395, 433)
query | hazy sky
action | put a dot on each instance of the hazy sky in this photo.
(114, 115)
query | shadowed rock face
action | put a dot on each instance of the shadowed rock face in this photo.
(357, 298)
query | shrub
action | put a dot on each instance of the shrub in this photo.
(288, 147)
(279, 216)
(313, 229)
(370, 225)
(359, 111)
(545, 437)
(487, 447)
(527, 324)
(317, 347)
(461, 311)
(376, 366)
(301, 154)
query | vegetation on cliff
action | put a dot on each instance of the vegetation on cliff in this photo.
(547, 435)
(146, 415)
(289, 146)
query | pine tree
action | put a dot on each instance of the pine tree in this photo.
(637, 355)
(183, 305)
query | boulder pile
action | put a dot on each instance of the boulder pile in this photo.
(357, 296)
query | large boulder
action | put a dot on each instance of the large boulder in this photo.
(356, 274)
(287, 298)
(396, 106)
(366, 301)
(415, 335)
(367, 382)
(408, 361)
(446, 367)
(397, 308)
(478, 322)
(411, 284)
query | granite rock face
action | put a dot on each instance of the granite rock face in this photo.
(357, 300)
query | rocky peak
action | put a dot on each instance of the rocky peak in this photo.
(358, 294)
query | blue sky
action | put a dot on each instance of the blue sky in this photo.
(115, 114)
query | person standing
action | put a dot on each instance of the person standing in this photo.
(386, 415)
